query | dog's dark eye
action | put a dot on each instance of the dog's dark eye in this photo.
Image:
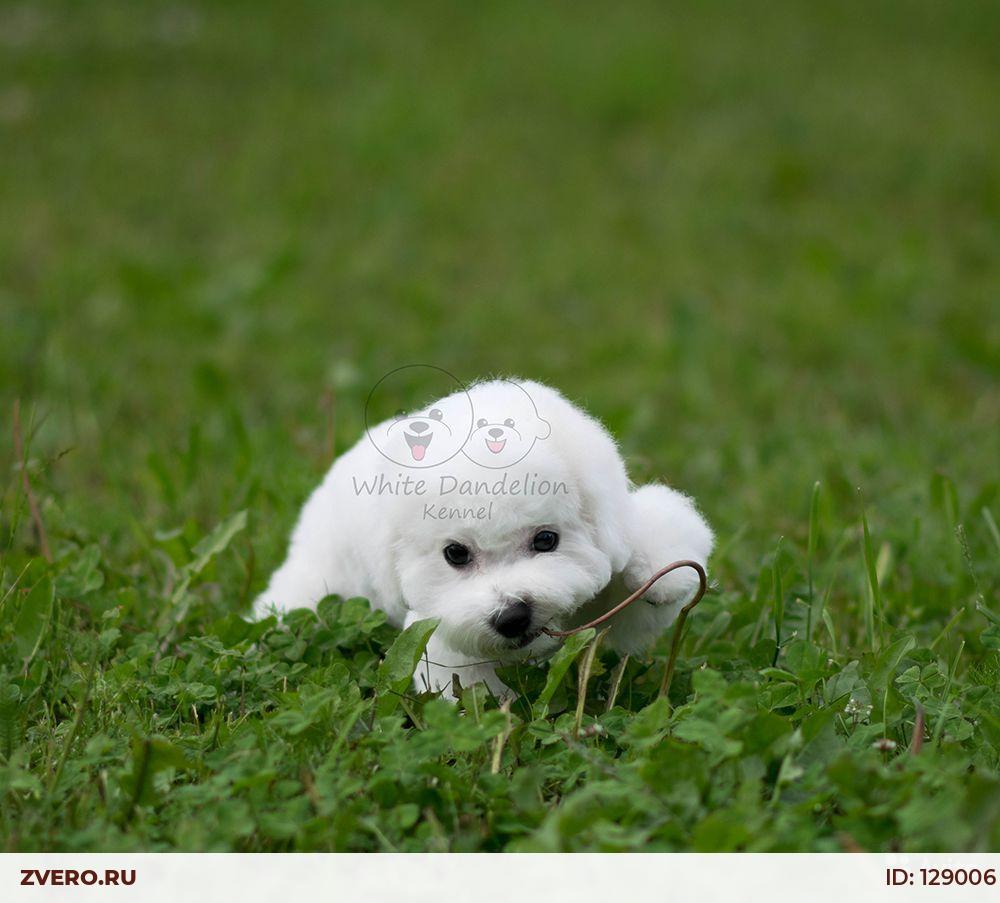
(457, 555)
(435, 414)
(509, 422)
(481, 422)
(545, 541)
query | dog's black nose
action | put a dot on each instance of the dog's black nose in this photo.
(496, 432)
(513, 620)
(418, 426)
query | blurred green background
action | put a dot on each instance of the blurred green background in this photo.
(760, 241)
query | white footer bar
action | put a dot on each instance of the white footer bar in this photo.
(495, 878)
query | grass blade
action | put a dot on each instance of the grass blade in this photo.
(777, 602)
(871, 567)
(811, 546)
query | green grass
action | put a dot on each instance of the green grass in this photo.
(762, 243)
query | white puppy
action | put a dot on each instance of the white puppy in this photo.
(532, 523)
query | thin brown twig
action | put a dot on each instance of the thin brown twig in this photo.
(36, 514)
(616, 682)
(501, 739)
(917, 741)
(638, 594)
(675, 643)
(583, 678)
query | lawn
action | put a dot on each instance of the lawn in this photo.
(761, 242)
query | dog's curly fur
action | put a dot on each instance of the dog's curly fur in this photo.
(529, 460)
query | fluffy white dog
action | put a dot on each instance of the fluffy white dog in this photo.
(526, 519)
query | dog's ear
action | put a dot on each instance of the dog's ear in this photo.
(532, 394)
(592, 456)
(604, 488)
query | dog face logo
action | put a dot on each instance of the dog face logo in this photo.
(496, 436)
(419, 431)
(426, 436)
(507, 425)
